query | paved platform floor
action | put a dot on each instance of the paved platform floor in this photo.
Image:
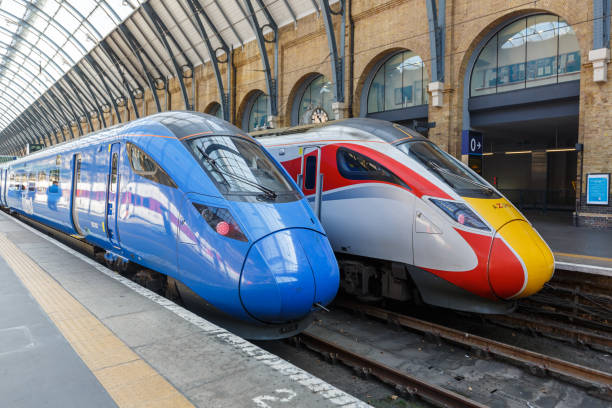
(581, 249)
(75, 334)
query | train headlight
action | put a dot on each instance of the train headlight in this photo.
(221, 221)
(460, 213)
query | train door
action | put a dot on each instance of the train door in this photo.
(76, 180)
(3, 183)
(310, 178)
(112, 195)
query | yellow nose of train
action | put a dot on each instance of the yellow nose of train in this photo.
(520, 262)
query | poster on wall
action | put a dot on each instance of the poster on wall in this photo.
(598, 189)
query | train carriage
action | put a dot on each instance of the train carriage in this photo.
(408, 221)
(191, 197)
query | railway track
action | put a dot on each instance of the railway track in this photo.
(554, 330)
(598, 383)
(402, 382)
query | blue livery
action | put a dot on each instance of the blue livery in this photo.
(194, 198)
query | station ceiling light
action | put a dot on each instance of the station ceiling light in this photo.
(520, 152)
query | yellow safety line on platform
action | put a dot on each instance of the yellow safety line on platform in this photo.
(595, 258)
(128, 379)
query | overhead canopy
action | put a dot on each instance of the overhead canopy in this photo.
(64, 63)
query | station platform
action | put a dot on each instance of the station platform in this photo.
(75, 334)
(580, 249)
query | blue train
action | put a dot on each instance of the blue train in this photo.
(192, 197)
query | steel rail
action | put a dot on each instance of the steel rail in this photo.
(537, 363)
(553, 329)
(402, 381)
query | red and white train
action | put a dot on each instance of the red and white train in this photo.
(408, 221)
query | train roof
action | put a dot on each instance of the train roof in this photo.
(178, 123)
(388, 131)
(187, 123)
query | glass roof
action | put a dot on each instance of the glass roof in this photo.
(41, 40)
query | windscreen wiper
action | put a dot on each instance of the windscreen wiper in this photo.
(268, 192)
(445, 171)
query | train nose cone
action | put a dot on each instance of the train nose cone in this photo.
(520, 262)
(283, 273)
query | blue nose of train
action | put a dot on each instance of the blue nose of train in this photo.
(286, 273)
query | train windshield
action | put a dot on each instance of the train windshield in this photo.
(241, 170)
(464, 181)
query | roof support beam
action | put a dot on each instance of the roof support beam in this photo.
(197, 9)
(27, 133)
(75, 116)
(271, 81)
(436, 16)
(96, 103)
(120, 68)
(62, 110)
(336, 53)
(84, 110)
(229, 24)
(37, 128)
(164, 35)
(601, 23)
(139, 52)
(100, 74)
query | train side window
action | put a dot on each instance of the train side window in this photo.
(12, 185)
(41, 184)
(310, 179)
(355, 166)
(113, 181)
(145, 166)
(54, 177)
(32, 182)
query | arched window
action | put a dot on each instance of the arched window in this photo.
(316, 101)
(533, 51)
(256, 115)
(215, 110)
(400, 82)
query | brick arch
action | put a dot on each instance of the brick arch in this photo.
(212, 104)
(496, 24)
(374, 63)
(298, 88)
(246, 103)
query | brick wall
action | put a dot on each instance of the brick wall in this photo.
(384, 26)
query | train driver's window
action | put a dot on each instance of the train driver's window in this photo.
(145, 166)
(355, 166)
(311, 173)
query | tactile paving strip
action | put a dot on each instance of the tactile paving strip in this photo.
(129, 380)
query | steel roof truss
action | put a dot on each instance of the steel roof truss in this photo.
(197, 9)
(164, 34)
(75, 116)
(100, 74)
(87, 83)
(137, 50)
(120, 68)
(261, 42)
(336, 53)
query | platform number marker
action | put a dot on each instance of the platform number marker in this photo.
(472, 142)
